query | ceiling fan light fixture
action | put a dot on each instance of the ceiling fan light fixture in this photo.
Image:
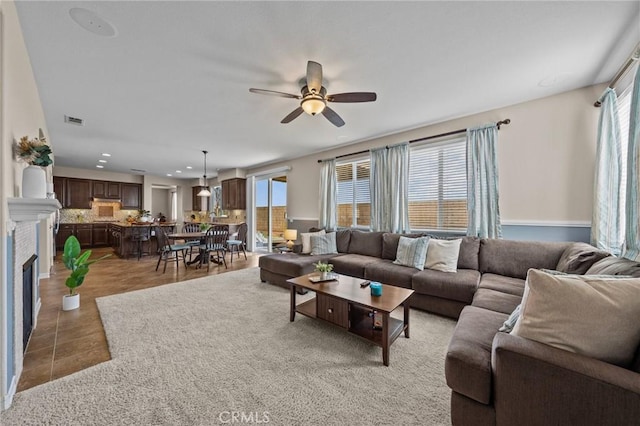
(313, 105)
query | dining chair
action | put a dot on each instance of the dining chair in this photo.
(170, 251)
(239, 242)
(215, 242)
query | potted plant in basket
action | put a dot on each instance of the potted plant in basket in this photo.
(324, 269)
(78, 263)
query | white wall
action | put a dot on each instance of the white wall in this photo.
(21, 114)
(160, 202)
(546, 159)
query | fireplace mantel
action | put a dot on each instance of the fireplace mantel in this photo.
(31, 209)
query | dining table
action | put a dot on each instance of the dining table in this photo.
(190, 236)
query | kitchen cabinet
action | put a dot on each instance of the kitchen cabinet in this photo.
(99, 235)
(78, 193)
(198, 203)
(82, 231)
(107, 190)
(234, 194)
(131, 195)
(60, 187)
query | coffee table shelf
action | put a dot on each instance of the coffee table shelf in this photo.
(345, 304)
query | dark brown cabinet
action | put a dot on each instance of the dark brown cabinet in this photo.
(78, 194)
(234, 194)
(198, 203)
(59, 187)
(82, 231)
(131, 195)
(105, 189)
(100, 235)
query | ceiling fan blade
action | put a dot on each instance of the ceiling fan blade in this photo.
(274, 93)
(353, 97)
(314, 76)
(292, 116)
(333, 117)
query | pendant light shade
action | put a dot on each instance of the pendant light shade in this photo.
(204, 192)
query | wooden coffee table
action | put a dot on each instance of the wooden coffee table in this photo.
(344, 303)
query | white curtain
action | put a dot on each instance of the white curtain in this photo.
(328, 195)
(632, 222)
(482, 182)
(389, 189)
(606, 226)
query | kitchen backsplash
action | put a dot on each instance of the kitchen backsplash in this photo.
(82, 215)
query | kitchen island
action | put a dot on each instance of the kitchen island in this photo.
(123, 237)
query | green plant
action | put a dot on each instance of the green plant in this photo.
(323, 267)
(204, 227)
(78, 263)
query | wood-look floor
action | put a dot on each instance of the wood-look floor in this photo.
(65, 342)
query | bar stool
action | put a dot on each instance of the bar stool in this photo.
(139, 235)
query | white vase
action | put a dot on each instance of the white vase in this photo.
(70, 302)
(34, 182)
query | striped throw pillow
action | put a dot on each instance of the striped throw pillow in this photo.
(324, 244)
(412, 252)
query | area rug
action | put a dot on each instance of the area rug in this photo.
(221, 349)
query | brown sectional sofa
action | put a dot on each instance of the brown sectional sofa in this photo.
(495, 377)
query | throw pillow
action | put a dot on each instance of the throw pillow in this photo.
(615, 266)
(507, 326)
(594, 317)
(442, 255)
(324, 244)
(412, 252)
(306, 240)
(578, 258)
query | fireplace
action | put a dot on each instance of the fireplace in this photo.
(27, 300)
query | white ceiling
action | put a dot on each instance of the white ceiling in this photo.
(175, 78)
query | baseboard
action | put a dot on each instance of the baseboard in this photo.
(44, 275)
(37, 311)
(8, 398)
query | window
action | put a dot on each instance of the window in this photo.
(438, 186)
(354, 202)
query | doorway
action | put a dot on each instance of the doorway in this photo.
(270, 212)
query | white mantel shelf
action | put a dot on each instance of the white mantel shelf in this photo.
(31, 209)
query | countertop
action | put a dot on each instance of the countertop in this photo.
(120, 224)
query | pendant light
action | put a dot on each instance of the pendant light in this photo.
(204, 192)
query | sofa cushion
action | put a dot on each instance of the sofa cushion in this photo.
(514, 258)
(343, 236)
(352, 264)
(390, 244)
(305, 237)
(578, 258)
(591, 316)
(502, 284)
(615, 266)
(459, 286)
(468, 361)
(412, 252)
(324, 244)
(366, 243)
(469, 250)
(494, 300)
(442, 255)
(290, 264)
(387, 272)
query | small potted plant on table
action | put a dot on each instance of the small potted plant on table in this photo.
(78, 263)
(324, 270)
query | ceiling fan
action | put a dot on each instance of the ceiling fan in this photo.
(314, 97)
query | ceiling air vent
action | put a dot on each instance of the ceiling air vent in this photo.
(138, 171)
(73, 120)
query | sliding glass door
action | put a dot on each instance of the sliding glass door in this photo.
(270, 212)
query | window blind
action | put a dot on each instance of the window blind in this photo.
(353, 194)
(438, 186)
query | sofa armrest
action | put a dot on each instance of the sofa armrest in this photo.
(538, 384)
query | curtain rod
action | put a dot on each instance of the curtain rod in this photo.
(454, 132)
(635, 55)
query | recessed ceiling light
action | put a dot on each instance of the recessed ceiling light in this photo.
(92, 22)
(178, 171)
(99, 166)
(104, 154)
(169, 174)
(189, 167)
(102, 161)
